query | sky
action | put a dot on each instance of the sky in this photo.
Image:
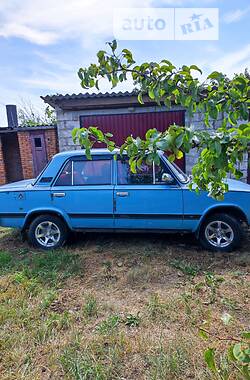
(43, 43)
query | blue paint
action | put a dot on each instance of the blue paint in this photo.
(113, 206)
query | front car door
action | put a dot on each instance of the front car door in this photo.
(144, 201)
(84, 191)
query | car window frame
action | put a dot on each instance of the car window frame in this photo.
(83, 158)
(154, 183)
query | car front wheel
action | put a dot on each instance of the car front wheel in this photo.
(47, 232)
(220, 232)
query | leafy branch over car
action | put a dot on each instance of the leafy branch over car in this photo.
(220, 150)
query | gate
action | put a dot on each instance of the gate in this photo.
(136, 124)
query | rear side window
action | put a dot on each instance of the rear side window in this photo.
(83, 173)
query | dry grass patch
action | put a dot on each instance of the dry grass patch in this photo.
(118, 307)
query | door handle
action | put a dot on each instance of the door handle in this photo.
(122, 193)
(58, 195)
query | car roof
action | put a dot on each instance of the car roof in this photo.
(81, 152)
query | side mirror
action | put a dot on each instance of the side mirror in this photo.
(167, 178)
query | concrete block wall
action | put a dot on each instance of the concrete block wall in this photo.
(197, 121)
(68, 120)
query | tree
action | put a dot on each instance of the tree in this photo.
(29, 116)
(220, 150)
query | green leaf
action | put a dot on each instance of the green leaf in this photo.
(238, 352)
(101, 54)
(246, 334)
(217, 146)
(209, 356)
(232, 119)
(179, 140)
(151, 93)
(179, 154)
(140, 99)
(113, 45)
(215, 75)
(171, 157)
(133, 166)
(203, 334)
(194, 67)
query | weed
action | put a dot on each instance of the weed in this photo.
(59, 321)
(132, 320)
(82, 366)
(170, 361)
(30, 284)
(23, 251)
(90, 307)
(5, 260)
(212, 283)
(186, 268)
(109, 325)
(55, 322)
(97, 360)
(107, 265)
(48, 299)
(156, 308)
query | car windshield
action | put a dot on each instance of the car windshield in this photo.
(182, 177)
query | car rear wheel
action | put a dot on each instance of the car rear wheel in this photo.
(47, 232)
(220, 232)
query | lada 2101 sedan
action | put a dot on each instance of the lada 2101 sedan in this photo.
(102, 194)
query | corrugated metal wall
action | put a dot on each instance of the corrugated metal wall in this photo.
(136, 124)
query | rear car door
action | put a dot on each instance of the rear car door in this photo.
(144, 201)
(84, 190)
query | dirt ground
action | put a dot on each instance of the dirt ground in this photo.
(119, 307)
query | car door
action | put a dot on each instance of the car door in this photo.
(84, 190)
(144, 201)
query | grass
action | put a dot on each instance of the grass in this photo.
(118, 307)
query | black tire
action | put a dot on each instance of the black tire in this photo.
(233, 238)
(57, 225)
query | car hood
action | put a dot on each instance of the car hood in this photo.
(237, 185)
(20, 185)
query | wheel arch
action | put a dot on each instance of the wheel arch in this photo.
(232, 210)
(38, 212)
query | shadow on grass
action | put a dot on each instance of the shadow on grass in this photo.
(49, 267)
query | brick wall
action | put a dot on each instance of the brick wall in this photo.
(2, 166)
(16, 157)
(51, 141)
(26, 154)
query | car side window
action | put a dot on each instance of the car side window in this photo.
(94, 172)
(144, 176)
(65, 177)
(159, 171)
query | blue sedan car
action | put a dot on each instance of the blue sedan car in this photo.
(76, 194)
